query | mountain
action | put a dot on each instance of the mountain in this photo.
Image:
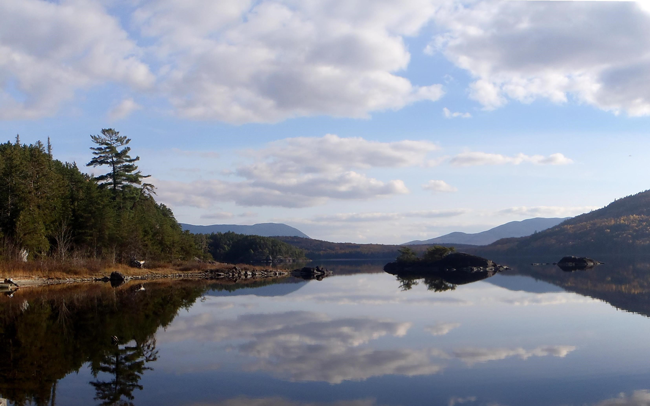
(262, 229)
(622, 227)
(513, 229)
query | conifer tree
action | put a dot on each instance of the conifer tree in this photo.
(123, 171)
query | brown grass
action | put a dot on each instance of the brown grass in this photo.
(89, 268)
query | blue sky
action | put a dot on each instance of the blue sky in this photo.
(363, 121)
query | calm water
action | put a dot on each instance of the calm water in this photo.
(530, 336)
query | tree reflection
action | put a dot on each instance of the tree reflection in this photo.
(126, 364)
(434, 284)
(64, 328)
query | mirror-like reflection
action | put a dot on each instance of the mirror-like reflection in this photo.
(532, 335)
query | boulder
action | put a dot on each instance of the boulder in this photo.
(572, 263)
(311, 273)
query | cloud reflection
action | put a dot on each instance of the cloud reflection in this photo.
(440, 329)
(277, 401)
(472, 356)
(309, 346)
(638, 398)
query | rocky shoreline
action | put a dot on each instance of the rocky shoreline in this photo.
(234, 274)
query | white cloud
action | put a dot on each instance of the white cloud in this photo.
(547, 211)
(483, 158)
(217, 216)
(332, 153)
(123, 109)
(638, 398)
(439, 186)
(478, 355)
(244, 61)
(50, 50)
(441, 329)
(529, 50)
(304, 172)
(449, 114)
(372, 217)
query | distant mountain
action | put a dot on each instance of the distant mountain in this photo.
(622, 227)
(513, 229)
(262, 229)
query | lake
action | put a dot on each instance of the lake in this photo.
(533, 335)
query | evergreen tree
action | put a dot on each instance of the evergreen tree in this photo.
(123, 172)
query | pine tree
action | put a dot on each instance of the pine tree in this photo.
(123, 172)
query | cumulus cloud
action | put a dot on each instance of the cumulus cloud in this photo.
(449, 114)
(304, 172)
(638, 398)
(472, 356)
(123, 109)
(529, 50)
(483, 158)
(243, 61)
(440, 329)
(69, 46)
(439, 186)
(547, 211)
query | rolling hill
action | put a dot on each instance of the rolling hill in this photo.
(512, 229)
(262, 229)
(622, 227)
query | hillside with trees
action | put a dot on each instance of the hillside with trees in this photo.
(239, 248)
(622, 227)
(50, 210)
(318, 249)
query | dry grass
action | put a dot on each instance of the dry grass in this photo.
(88, 268)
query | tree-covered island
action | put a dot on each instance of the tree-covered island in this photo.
(53, 216)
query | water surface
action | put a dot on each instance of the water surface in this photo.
(530, 336)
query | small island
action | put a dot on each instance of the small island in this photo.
(443, 263)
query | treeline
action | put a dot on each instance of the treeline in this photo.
(50, 209)
(318, 249)
(240, 248)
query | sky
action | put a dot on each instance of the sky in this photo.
(352, 120)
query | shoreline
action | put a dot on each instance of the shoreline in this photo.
(220, 271)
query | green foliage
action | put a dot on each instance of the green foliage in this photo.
(123, 172)
(436, 253)
(50, 208)
(239, 248)
(407, 255)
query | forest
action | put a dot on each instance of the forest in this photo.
(53, 212)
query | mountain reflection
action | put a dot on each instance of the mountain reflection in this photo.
(622, 282)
